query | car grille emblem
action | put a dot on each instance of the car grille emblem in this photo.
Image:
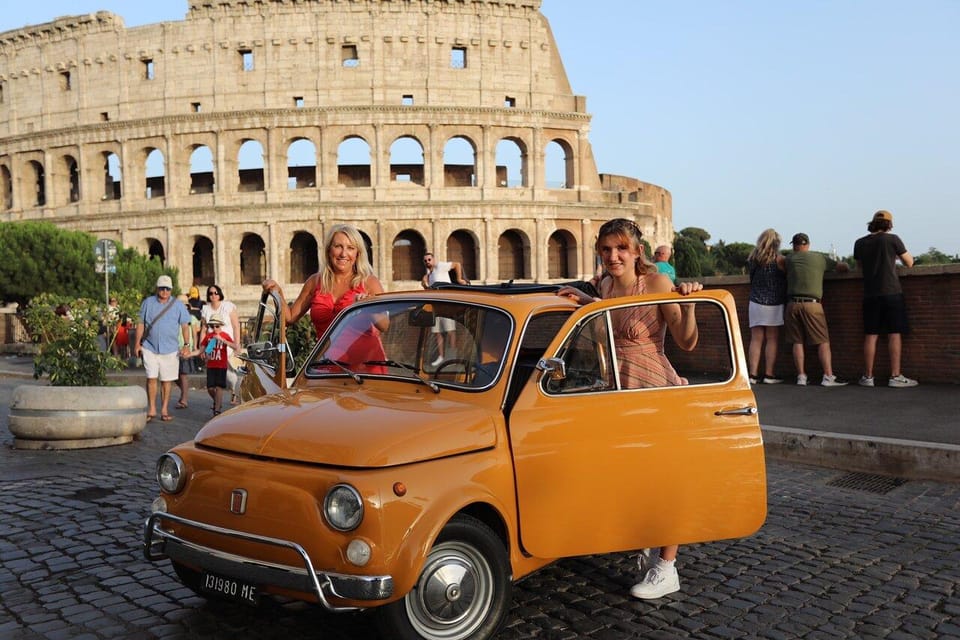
(238, 501)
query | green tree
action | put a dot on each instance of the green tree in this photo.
(40, 257)
(934, 256)
(692, 257)
(731, 259)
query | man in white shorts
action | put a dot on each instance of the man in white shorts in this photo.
(444, 328)
(161, 316)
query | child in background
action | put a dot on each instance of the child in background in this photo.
(213, 350)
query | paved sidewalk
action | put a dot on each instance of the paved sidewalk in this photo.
(912, 433)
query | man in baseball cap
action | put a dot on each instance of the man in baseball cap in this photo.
(157, 343)
(884, 309)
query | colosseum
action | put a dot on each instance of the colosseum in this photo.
(226, 143)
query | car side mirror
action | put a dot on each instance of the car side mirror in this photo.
(556, 368)
(260, 350)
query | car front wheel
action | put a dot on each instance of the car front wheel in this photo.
(463, 590)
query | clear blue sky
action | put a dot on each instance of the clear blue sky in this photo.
(798, 115)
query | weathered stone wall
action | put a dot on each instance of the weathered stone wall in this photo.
(84, 102)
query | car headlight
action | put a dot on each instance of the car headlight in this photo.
(170, 473)
(343, 508)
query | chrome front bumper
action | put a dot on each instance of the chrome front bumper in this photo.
(159, 544)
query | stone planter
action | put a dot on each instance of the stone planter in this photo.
(46, 417)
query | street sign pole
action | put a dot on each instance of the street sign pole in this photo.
(104, 252)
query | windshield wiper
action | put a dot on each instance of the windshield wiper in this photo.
(356, 377)
(409, 367)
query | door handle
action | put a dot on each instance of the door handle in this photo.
(743, 411)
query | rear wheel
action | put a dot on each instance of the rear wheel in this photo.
(463, 590)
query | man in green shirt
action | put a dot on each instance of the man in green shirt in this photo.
(804, 318)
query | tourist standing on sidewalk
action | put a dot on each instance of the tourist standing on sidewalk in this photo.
(439, 271)
(213, 348)
(768, 295)
(156, 341)
(217, 304)
(661, 257)
(884, 310)
(805, 321)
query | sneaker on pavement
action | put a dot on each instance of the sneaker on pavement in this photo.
(832, 381)
(771, 380)
(866, 381)
(753, 380)
(802, 379)
(658, 582)
(647, 558)
(437, 361)
(901, 381)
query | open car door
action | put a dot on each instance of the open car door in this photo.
(602, 467)
(267, 362)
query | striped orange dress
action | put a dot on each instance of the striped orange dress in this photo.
(638, 335)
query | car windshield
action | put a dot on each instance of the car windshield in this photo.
(442, 343)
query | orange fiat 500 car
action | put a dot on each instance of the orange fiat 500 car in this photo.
(387, 475)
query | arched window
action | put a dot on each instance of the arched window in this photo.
(512, 255)
(154, 171)
(253, 259)
(250, 166)
(301, 166)
(39, 184)
(204, 272)
(6, 187)
(112, 177)
(353, 162)
(462, 248)
(73, 173)
(304, 256)
(201, 172)
(559, 165)
(511, 163)
(406, 161)
(561, 255)
(459, 163)
(155, 250)
(408, 250)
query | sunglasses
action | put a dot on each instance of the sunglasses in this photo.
(163, 288)
(212, 293)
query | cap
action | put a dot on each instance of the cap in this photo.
(215, 320)
(164, 281)
(882, 215)
(800, 238)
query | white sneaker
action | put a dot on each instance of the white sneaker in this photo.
(646, 560)
(866, 381)
(802, 379)
(437, 361)
(831, 381)
(901, 382)
(769, 380)
(660, 581)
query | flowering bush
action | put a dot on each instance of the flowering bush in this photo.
(66, 333)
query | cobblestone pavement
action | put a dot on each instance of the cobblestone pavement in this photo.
(830, 562)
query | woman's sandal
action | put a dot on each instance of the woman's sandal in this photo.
(166, 418)
(181, 405)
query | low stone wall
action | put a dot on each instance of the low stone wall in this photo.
(931, 352)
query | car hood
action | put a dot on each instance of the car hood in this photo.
(351, 428)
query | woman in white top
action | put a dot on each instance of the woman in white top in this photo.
(218, 305)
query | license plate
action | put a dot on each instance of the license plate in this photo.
(230, 589)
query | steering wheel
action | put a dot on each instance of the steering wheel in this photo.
(467, 365)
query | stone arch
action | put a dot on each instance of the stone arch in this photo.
(6, 187)
(73, 178)
(561, 254)
(253, 259)
(351, 171)
(462, 248)
(406, 161)
(154, 171)
(407, 253)
(202, 177)
(38, 174)
(513, 255)
(65, 182)
(301, 165)
(155, 250)
(559, 164)
(250, 163)
(368, 244)
(304, 256)
(460, 162)
(511, 162)
(203, 265)
(112, 176)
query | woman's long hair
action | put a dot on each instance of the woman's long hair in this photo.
(628, 231)
(362, 268)
(767, 249)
